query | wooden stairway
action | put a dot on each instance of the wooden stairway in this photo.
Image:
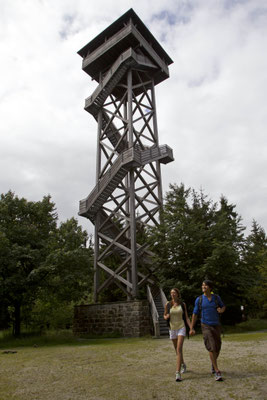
(116, 173)
(114, 75)
(112, 78)
(157, 300)
(163, 327)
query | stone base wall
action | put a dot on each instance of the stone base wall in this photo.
(129, 318)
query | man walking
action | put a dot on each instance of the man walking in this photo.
(209, 306)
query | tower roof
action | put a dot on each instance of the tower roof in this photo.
(119, 24)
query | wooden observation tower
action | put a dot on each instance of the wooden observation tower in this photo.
(127, 62)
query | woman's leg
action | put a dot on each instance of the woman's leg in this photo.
(174, 341)
(182, 357)
(179, 352)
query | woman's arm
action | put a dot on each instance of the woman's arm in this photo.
(186, 316)
(166, 314)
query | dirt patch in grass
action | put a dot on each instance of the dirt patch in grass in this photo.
(127, 369)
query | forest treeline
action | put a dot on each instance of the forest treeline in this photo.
(199, 238)
(46, 267)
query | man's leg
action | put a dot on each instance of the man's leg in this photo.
(212, 341)
(215, 351)
(213, 358)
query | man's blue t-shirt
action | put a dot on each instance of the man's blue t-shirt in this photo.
(209, 313)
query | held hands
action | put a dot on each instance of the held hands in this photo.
(166, 316)
(220, 310)
(192, 332)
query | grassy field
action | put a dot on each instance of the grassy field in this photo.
(65, 368)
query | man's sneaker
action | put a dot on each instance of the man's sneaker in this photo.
(218, 376)
(183, 368)
(212, 369)
(178, 377)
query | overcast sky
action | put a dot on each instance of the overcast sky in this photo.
(212, 110)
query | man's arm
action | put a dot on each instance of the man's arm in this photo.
(221, 310)
(194, 317)
(221, 307)
(193, 323)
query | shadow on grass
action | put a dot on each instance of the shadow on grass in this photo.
(228, 375)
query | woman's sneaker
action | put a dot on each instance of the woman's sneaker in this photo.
(218, 376)
(178, 377)
(183, 368)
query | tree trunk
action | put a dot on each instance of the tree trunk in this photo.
(16, 329)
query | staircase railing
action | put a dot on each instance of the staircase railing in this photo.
(117, 172)
(154, 313)
(163, 297)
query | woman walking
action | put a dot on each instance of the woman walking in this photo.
(176, 313)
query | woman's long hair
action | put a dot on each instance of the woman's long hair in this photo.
(178, 296)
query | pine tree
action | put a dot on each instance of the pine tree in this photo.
(255, 263)
(199, 239)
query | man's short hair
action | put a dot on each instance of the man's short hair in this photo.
(208, 283)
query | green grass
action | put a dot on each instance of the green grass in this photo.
(251, 325)
(65, 337)
(49, 338)
(245, 336)
(64, 368)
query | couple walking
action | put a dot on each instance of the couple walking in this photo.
(208, 307)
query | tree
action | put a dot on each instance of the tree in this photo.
(66, 276)
(25, 230)
(182, 240)
(255, 262)
(198, 239)
(69, 265)
(223, 265)
(40, 263)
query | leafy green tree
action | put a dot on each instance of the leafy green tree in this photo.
(25, 231)
(66, 276)
(42, 266)
(69, 265)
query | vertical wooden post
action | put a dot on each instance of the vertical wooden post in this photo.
(127, 208)
(155, 125)
(97, 221)
(132, 191)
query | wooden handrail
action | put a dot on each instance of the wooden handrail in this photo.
(154, 312)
